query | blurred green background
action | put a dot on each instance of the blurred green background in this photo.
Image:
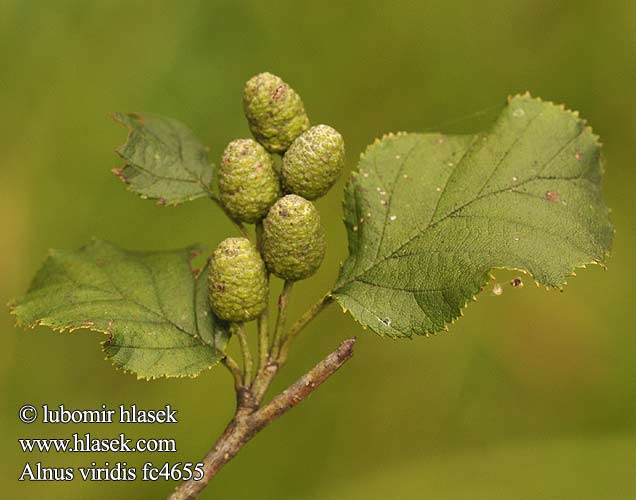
(531, 396)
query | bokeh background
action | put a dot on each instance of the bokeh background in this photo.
(532, 395)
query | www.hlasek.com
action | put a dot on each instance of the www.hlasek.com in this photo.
(86, 443)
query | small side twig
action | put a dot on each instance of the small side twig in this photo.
(249, 420)
(305, 385)
(263, 319)
(283, 302)
(235, 371)
(239, 330)
(263, 339)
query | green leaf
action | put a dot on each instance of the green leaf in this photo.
(164, 160)
(428, 216)
(152, 307)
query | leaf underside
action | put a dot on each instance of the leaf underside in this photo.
(429, 215)
(163, 159)
(153, 309)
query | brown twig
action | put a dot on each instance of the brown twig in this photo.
(249, 419)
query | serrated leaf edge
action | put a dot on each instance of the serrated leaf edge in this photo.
(12, 305)
(60, 330)
(118, 171)
(452, 320)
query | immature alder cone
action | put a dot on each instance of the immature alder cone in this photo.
(237, 282)
(293, 238)
(248, 184)
(275, 112)
(313, 162)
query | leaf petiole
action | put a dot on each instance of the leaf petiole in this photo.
(300, 324)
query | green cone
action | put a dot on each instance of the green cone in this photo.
(248, 184)
(237, 282)
(313, 162)
(275, 112)
(293, 238)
